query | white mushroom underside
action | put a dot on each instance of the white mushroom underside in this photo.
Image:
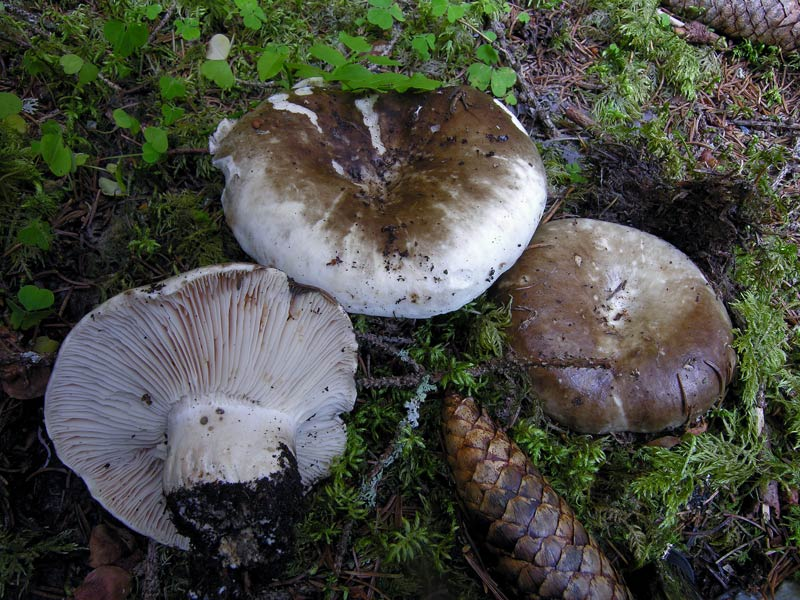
(232, 331)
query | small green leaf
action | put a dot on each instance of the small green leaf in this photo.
(80, 158)
(219, 46)
(24, 319)
(511, 100)
(377, 81)
(490, 35)
(57, 156)
(188, 28)
(327, 54)
(51, 127)
(502, 80)
(304, 71)
(487, 54)
(34, 65)
(438, 7)
(380, 3)
(125, 38)
(380, 17)
(71, 63)
(45, 345)
(152, 11)
(271, 62)
(150, 154)
(171, 113)
(218, 71)
(10, 104)
(88, 73)
(479, 75)
(397, 12)
(137, 34)
(109, 187)
(157, 138)
(423, 44)
(419, 82)
(524, 18)
(355, 43)
(16, 122)
(252, 13)
(350, 72)
(172, 87)
(383, 61)
(33, 297)
(456, 11)
(36, 234)
(126, 121)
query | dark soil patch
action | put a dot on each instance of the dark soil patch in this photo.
(707, 217)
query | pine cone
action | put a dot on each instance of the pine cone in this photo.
(536, 542)
(775, 22)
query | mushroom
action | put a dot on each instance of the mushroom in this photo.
(623, 331)
(199, 409)
(405, 205)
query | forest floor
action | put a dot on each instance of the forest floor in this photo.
(106, 184)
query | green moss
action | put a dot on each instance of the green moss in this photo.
(571, 461)
(188, 228)
(627, 86)
(637, 26)
(761, 344)
(19, 552)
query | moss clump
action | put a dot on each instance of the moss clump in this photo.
(189, 228)
(639, 28)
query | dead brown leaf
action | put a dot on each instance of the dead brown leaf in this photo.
(105, 583)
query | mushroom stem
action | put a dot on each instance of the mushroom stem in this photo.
(214, 438)
(231, 478)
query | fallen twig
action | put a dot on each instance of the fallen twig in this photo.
(762, 124)
(498, 365)
(167, 16)
(527, 95)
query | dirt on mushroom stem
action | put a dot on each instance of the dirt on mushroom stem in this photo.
(243, 524)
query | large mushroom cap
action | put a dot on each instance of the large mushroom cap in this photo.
(623, 330)
(221, 377)
(405, 205)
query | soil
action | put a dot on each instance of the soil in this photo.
(705, 217)
(243, 524)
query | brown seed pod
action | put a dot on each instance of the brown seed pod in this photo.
(532, 535)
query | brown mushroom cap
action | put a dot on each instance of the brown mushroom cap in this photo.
(405, 205)
(623, 330)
